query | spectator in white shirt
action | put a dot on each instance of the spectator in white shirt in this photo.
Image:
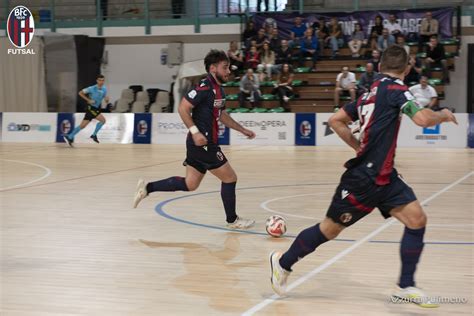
(345, 81)
(425, 94)
(393, 26)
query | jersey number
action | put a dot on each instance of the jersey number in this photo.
(365, 113)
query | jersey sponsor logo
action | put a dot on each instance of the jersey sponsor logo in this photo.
(220, 156)
(344, 194)
(305, 128)
(20, 29)
(192, 94)
(219, 103)
(346, 217)
(142, 127)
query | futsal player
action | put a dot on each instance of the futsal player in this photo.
(93, 96)
(371, 181)
(201, 109)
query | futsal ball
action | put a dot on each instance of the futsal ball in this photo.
(276, 226)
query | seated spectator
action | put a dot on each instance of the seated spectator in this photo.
(283, 87)
(320, 30)
(357, 40)
(297, 32)
(385, 40)
(367, 78)
(283, 54)
(309, 48)
(260, 38)
(402, 43)
(267, 61)
(345, 82)
(425, 94)
(249, 33)
(375, 60)
(376, 32)
(393, 26)
(236, 59)
(274, 40)
(252, 59)
(428, 28)
(414, 72)
(435, 56)
(249, 89)
(335, 37)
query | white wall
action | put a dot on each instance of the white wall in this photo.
(140, 64)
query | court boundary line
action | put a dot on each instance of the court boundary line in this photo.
(26, 184)
(345, 252)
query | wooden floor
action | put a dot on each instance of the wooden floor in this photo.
(72, 245)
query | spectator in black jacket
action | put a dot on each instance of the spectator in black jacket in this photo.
(367, 78)
(435, 56)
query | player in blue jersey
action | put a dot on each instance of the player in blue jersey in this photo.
(371, 181)
(201, 109)
(93, 96)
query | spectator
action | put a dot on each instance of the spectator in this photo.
(297, 32)
(249, 33)
(357, 40)
(425, 94)
(267, 59)
(385, 40)
(236, 59)
(367, 78)
(402, 43)
(283, 54)
(260, 38)
(375, 60)
(345, 82)
(283, 87)
(259, 5)
(335, 36)
(253, 58)
(249, 89)
(428, 28)
(274, 40)
(322, 33)
(309, 48)
(252, 43)
(435, 56)
(375, 32)
(414, 72)
(393, 26)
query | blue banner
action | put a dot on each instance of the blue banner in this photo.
(142, 128)
(223, 134)
(65, 125)
(305, 129)
(470, 134)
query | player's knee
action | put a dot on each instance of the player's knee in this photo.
(192, 185)
(330, 229)
(417, 221)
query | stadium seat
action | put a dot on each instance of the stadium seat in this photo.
(162, 102)
(268, 97)
(258, 110)
(136, 89)
(241, 110)
(141, 102)
(277, 110)
(232, 97)
(126, 99)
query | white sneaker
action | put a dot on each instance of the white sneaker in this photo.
(241, 223)
(140, 193)
(286, 99)
(279, 275)
(414, 295)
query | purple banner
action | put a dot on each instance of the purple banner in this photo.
(410, 20)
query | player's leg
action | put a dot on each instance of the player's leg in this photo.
(69, 138)
(337, 93)
(227, 175)
(189, 183)
(99, 125)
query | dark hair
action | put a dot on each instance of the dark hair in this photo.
(215, 56)
(394, 59)
(100, 76)
(355, 27)
(380, 17)
(434, 36)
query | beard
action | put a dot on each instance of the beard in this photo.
(221, 78)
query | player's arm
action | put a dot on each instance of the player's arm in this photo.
(106, 97)
(228, 121)
(425, 117)
(83, 95)
(339, 122)
(184, 110)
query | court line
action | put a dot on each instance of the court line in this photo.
(22, 185)
(345, 252)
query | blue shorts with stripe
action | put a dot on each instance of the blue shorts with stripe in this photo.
(357, 195)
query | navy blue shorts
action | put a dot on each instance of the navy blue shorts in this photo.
(357, 195)
(203, 158)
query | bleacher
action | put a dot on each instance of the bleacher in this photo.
(315, 90)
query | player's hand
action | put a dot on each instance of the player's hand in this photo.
(106, 99)
(250, 134)
(449, 116)
(91, 102)
(199, 139)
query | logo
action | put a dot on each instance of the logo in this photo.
(192, 94)
(65, 126)
(434, 130)
(221, 129)
(14, 127)
(344, 194)
(220, 156)
(431, 134)
(142, 127)
(20, 30)
(218, 103)
(305, 128)
(263, 125)
(346, 217)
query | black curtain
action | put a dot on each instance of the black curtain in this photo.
(470, 78)
(89, 56)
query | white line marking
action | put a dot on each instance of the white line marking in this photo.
(266, 208)
(47, 174)
(345, 252)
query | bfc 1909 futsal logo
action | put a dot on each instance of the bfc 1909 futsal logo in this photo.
(305, 128)
(142, 127)
(20, 29)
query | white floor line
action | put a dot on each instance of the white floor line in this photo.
(345, 252)
(47, 174)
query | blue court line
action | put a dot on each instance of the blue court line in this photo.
(159, 209)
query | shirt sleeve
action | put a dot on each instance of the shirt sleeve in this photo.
(351, 110)
(405, 101)
(197, 95)
(352, 77)
(338, 78)
(434, 94)
(87, 90)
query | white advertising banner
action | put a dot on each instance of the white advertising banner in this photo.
(325, 136)
(271, 128)
(439, 136)
(29, 127)
(118, 129)
(168, 128)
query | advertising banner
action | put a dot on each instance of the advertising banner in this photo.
(142, 128)
(64, 126)
(305, 129)
(118, 129)
(29, 127)
(168, 128)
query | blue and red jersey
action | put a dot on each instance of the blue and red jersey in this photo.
(379, 113)
(208, 100)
